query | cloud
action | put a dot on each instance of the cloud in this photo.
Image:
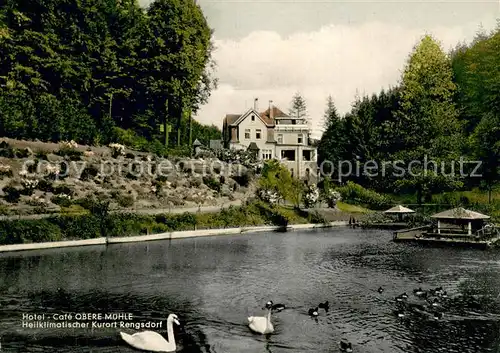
(337, 59)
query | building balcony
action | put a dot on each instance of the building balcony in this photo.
(291, 127)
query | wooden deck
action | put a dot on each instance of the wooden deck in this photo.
(388, 225)
(422, 235)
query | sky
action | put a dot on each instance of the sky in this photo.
(272, 49)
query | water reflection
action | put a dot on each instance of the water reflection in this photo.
(214, 284)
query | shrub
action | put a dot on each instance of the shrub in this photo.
(6, 150)
(78, 227)
(117, 149)
(356, 194)
(269, 196)
(161, 178)
(69, 149)
(311, 196)
(12, 194)
(131, 176)
(42, 155)
(243, 179)
(37, 201)
(212, 183)
(5, 171)
(62, 200)
(89, 173)
(332, 197)
(28, 231)
(23, 152)
(63, 189)
(316, 217)
(45, 185)
(243, 157)
(125, 200)
(29, 186)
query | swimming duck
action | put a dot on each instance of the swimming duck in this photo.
(380, 289)
(400, 313)
(324, 305)
(420, 292)
(436, 291)
(434, 302)
(438, 315)
(275, 307)
(402, 297)
(345, 346)
(313, 312)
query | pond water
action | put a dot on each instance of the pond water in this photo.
(213, 284)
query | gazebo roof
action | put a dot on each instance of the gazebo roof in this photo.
(253, 147)
(197, 143)
(399, 209)
(460, 213)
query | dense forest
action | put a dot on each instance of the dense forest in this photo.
(445, 107)
(100, 70)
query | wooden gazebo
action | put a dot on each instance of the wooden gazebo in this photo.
(455, 221)
(400, 211)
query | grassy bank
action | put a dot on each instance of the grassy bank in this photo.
(76, 227)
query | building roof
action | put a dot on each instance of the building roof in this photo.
(197, 143)
(460, 213)
(231, 119)
(277, 113)
(399, 209)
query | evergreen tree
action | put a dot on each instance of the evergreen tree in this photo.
(331, 116)
(299, 108)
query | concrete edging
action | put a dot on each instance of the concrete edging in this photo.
(164, 236)
(53, 244)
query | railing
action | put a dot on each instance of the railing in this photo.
(488, 230)
(291, 127)
(410, 233)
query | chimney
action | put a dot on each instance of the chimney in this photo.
(255, 101)
(271, 110)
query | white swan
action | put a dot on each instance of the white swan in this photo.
(152, 341)
(262, 324)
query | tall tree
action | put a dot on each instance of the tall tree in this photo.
(486, 139)
(111, 61)
(426, 124)
(299, 108)
(331, 116)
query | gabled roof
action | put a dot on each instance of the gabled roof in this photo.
(399, 209)
(239, 118)
(231, 118)
(277, 113)
(460, 213)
